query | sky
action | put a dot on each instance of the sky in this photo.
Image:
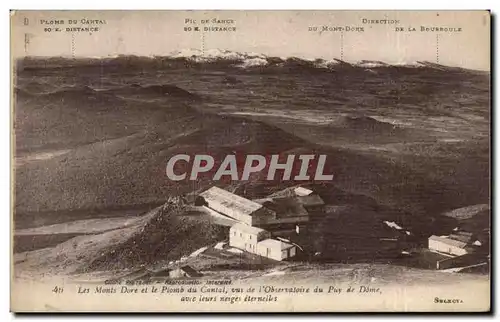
(275, 33)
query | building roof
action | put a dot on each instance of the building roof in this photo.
(232, 202)
(461, 237)
(274, 243)
(311, 200)
(247, 229)
(448, 241)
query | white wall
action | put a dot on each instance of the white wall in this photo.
(237, 238)
(177, 273)
(246, 241)
(275, 252)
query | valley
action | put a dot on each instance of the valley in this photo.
(93, 140)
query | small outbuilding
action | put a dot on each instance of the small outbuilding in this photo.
(184, 271)
(447, 245)
(276, 249)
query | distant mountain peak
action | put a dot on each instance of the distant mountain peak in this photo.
(210, 54)
(230, 58)
(253, 59)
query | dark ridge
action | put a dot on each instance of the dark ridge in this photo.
(230, 80)
(75, 93)
(298, 62)
(21, 93)
(365, 123)
(342, 63)
(235, 132)
(35, 87)
(430, 64)
(86, 92)
(74, 89)
(166, 62)
(165, 89)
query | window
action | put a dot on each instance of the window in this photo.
(250, 237)
(241, 235)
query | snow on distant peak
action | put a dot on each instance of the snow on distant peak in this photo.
(414, 64)
(248, 59)
(214, 54)
(253, 54)
(252, 59)
(253, 62)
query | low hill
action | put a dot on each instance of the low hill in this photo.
(130, 170)
(167, 236)
(73, 116)
(102, 144)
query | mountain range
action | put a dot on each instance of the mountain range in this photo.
(218, 57)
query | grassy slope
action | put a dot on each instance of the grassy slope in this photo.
(73, 117)
(130, 142)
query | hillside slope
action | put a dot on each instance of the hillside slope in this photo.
(130, 171)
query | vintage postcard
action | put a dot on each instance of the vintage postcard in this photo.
(250, 161)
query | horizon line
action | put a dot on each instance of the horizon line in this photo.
(169, 55)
